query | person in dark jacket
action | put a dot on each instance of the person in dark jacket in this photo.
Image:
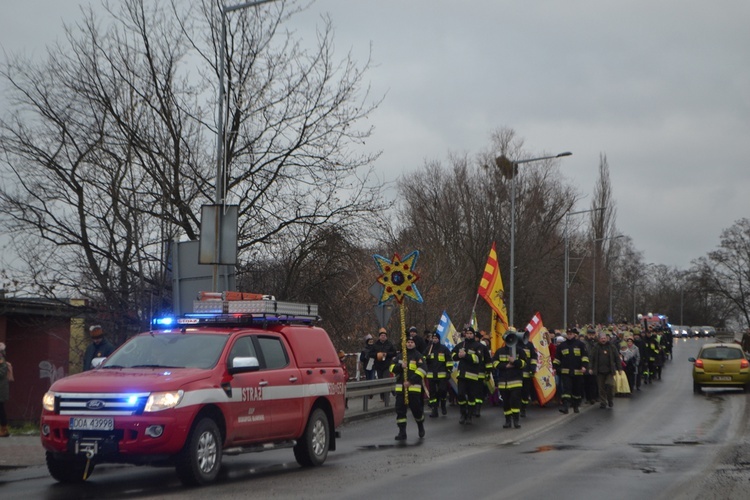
(439, 367)
(99, 347)
(590, 390)
(5, 371)
(367, 358)
(653, 357)
(529, 370)
(384, 352)
(419, 341)
(571, 362)
(469, 357)
(641, 345)
(604, 361)
(510, 370)
(484, 374)
(409, 371)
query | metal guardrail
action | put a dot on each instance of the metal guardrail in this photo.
(367, 388)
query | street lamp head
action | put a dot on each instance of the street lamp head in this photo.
(567, 153)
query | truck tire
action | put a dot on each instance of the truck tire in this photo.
(312, 448)
(69, 469)
(200, 460)
(696, 388)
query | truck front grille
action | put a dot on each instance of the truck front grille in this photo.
(100, 404)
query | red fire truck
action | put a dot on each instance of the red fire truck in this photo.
(235, 376)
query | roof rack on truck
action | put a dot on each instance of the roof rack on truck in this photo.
(242, 308)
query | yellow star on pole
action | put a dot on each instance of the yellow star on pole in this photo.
(398, 277)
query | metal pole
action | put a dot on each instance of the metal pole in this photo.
(220, 186)
(512, 242)
(565, 280)
(514, 165)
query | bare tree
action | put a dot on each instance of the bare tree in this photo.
(726, 270)
(603, 231)
(454, 214)
(109, 153)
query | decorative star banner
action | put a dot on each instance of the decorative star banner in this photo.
(398, 277)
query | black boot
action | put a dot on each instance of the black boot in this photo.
(401, 436)
(477, 411)
(523, 411)
(462, 420)
(420, 426)
(442, 407)
(507, 424)
(575, 408)
(516, 423)
(564, 408)
(468, 416)
(434, 412)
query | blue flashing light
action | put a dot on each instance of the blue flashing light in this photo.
(132, 400)
(165, 321)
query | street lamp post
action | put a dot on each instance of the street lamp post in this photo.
(566, 280)
(220, 187)
(514, 164)
(219, 193)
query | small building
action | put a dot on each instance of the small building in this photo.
(44, 342)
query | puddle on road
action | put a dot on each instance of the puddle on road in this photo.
(553, 447)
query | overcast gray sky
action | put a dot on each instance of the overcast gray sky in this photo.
(662, 88)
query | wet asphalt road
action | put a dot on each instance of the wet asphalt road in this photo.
(663, 442)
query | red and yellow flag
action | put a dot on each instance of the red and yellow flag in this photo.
(498, 330)
(491, 287)
(544, 378)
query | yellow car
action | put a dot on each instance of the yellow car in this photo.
(720, 365)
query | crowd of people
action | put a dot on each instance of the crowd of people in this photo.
(590, 365)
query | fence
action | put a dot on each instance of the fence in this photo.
(365, 389)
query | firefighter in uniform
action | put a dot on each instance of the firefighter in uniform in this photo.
(409, 374)
(439, 367)
(571, 362)
(468, 354)
(652, 368)
(510, 370)
(529, 370)
(485, 373)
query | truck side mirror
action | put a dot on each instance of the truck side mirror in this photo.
(241, 364)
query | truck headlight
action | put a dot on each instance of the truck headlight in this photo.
(159, 401)
(48, 401)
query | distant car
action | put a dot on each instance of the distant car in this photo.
(708, 331)
(720, 365)
(680, 331)
(695, 331)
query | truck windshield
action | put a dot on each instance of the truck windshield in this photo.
(168, 351)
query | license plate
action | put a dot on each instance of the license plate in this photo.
(722, 378)
(91, 424)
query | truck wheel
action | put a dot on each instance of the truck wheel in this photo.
(312, 448)
(696, 388)
(199, 461)
(69, 469)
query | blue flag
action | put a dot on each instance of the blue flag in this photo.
(448, 334)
